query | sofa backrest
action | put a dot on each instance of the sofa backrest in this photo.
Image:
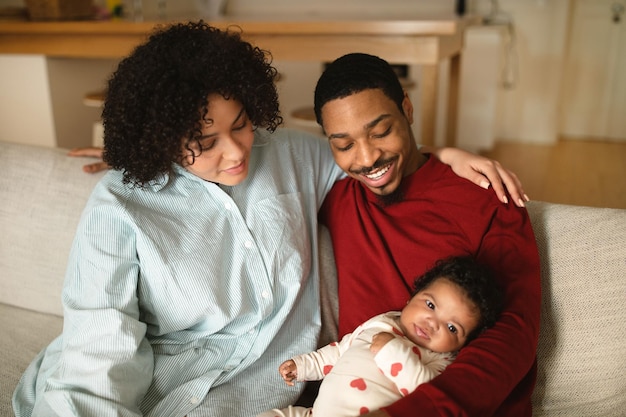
(582, 343)
(42, 194)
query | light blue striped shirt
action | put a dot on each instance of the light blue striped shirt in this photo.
(184, 297)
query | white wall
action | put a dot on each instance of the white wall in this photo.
(69, 81)
(25, 104)
(528, 111)
(481, 73)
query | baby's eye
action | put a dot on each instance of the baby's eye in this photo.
(430, 304)
(452, 328)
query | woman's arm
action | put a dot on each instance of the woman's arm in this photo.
(93, 167)
(106, 364)
(482, 171)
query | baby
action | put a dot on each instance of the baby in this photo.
(389, 355)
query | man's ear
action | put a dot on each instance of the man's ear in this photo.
(407, 107)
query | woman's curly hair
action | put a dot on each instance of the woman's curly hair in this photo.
(475, 280)
(157, 96)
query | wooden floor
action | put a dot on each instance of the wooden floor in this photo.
(579, 172)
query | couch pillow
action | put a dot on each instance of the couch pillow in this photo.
(42, 194)
(581, 352)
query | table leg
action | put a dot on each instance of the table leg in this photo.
(428, 103)
(453, 100)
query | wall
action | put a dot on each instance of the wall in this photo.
(70, 80)
(41, 100)
(527, 84)
(481, 73)
(25, 105)
(527, 109)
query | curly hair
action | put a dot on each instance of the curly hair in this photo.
(476, 281)
(157, 96)
(353, 73)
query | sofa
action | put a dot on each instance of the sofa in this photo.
(582, 346)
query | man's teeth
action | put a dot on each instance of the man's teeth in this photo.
(377, 174)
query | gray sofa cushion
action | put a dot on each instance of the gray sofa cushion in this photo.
(43, 192)
(24, 334)
(582, 339)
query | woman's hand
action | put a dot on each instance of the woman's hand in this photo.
(481, 171)
(92, 153)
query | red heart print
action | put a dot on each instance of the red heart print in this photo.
(417, 351)
(327, 369)
(363, 410)
(396, 368)
(358, 384)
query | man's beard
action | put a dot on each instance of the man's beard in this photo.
(386, 200)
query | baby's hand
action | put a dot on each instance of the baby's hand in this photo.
(379, 340)
(288, 371)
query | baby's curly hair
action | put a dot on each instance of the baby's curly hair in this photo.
(475, 280)
(157, 97)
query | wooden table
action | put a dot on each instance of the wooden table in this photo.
(425, 42)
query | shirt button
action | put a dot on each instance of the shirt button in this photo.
(248, 244)
(228, 206)
(265, 294)
(194, 400)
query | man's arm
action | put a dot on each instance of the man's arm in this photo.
(492, 367)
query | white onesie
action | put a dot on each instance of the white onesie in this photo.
(355, 380)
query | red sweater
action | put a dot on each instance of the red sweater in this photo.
(380, 251)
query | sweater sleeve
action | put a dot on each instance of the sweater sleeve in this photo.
(488, 375)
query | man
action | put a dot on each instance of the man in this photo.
(396, 213)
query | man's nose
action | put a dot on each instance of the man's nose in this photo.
(368, 154)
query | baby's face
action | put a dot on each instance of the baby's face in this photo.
(440, 317)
